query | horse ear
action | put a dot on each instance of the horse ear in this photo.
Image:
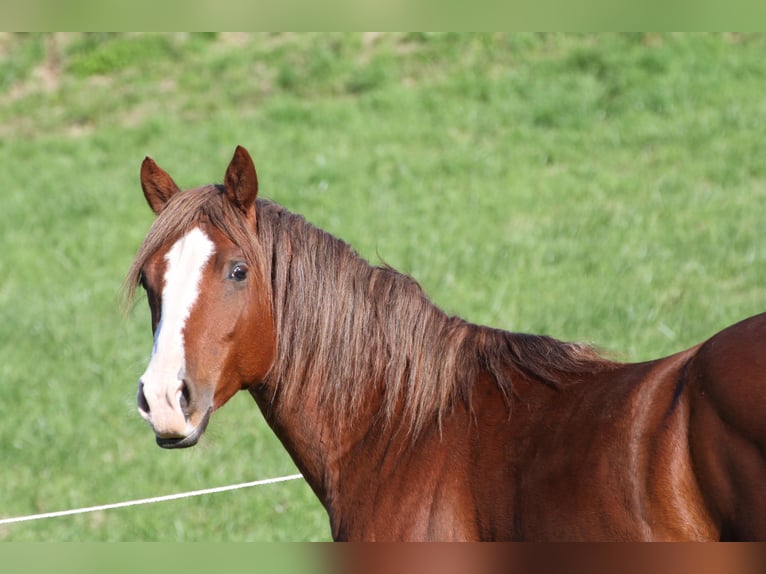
(158, 186)
(241, 181)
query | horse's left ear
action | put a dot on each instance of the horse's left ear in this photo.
(241, 181)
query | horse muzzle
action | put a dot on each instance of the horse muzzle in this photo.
(174, 422)
(188, 440)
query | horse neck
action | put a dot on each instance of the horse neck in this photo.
(358, 347)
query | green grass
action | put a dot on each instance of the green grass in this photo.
(607, 189)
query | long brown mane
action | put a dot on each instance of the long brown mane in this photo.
(343, 324)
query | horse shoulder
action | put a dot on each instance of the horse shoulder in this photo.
(607, 458)
(728, 426)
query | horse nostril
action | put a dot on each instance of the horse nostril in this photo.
(143, 404)
(185, 398)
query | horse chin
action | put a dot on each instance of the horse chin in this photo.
(190, 439)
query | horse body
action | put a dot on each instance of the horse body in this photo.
(412, 425)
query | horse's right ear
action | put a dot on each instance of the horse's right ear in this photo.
(158, 186)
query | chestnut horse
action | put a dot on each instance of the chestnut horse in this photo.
(409, 424)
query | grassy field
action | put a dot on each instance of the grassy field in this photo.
(608, 189)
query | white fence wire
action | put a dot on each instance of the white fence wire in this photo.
(151, 500)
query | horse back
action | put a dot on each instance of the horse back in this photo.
(728, 427)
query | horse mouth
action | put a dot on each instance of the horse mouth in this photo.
(190, 439)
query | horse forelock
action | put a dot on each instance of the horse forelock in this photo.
(189, 209)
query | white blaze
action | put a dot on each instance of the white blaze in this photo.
(163, 377)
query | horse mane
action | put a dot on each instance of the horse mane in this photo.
(343, 324)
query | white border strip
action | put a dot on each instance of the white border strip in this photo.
(149, 500)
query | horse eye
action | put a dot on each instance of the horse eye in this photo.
(238, 272)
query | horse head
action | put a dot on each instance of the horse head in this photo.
(212, 322)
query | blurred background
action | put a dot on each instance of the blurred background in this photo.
(599, 188)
